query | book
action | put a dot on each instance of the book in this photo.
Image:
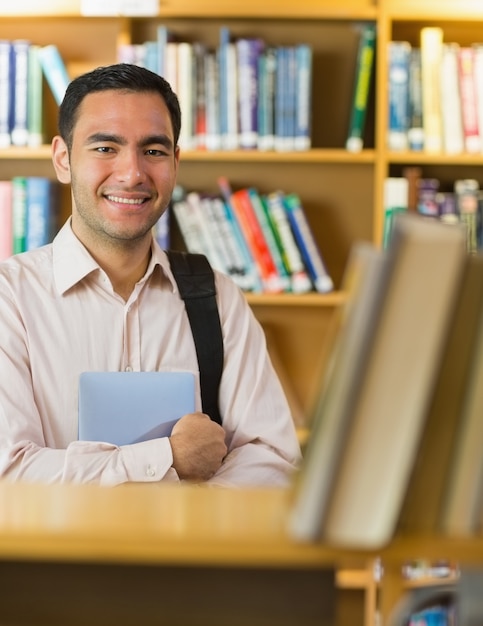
(185, 64)
(299, 278)
(252, 231)
(199, 104)
(267, 67)
(431, 43)
(423, 503)
(261, 213)
(6, 91)
(35, 107)
(123, 408)
(162, 230)
(228, 85)
(461, 510)
(6, 234)
(331, 412)
(42, 211)
(466, 193)
(248, 52)
(363, 77)
(212, 90)
(398, 84)
(19, 214)
(415, 113)
(54, 70)
(451, 116)
(303, 91)
(311, 254)
(396, 200)
(478, 78)
(426, 261)
(20, 67)
(469, 105)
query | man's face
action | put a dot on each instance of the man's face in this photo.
(122, 166)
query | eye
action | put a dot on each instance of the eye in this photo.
(103, 149)
(156, 152)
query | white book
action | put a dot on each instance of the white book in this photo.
(185, 93)
(54, 70)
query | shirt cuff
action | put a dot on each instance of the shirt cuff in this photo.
(148, 461)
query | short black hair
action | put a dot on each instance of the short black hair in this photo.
(122, 77)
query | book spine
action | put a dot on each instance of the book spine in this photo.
(248, 52)
(431, 53)
(242, 209)
(398, 80)
(478, 74)
(360, 98)
(254, 281)
(6, 90)
(19, 214)
(469, 105)
(281, 79)
(161, 230)
(266, 99)
(54, 70)
(203, 226)
(310, 252)
(303, 108)
(42, 212)
(396, 191)
(452, 126)
(300, 280)
(20, 66)
(199, 105)
(162, 38)
(213, 135)
(35, 106)
(466, 191)
(266, 226)
(189, 225)
(6, 232)
(185, 93)
(415, 129)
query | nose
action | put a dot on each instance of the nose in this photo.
(129, 167)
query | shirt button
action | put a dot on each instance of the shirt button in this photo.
(128, 368)
(150, 472)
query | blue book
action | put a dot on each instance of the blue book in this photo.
(6, 92)
(303, 104)
(248, 51)
(42, 211)
(267, 64)
(309, 249)
(123, 408)
(398, 124)
(54, 70)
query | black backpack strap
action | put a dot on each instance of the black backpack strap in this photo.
(196, 283)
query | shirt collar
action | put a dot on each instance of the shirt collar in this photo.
(72, 262)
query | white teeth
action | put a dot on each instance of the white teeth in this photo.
(125, 200)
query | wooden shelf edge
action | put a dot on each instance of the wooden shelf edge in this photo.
(333, 299)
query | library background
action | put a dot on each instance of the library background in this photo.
(307, 126)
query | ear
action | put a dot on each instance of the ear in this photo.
(60, 159)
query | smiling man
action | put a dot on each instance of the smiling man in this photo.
(102, 297)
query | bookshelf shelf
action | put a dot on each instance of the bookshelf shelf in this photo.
(315, 155)
(316, 300)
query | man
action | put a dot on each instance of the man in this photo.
(102, 297)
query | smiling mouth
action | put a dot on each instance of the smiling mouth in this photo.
(130, 201)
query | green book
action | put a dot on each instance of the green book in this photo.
(19, 214)
(363, 76)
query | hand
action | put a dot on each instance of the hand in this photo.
(198, 446)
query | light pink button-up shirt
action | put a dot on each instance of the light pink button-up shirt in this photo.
(59, 316)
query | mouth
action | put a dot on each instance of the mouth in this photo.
(127, 201)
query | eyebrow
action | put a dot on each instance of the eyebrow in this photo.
(162, 139)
